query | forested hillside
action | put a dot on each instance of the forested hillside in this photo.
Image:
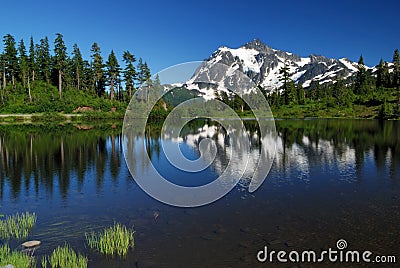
(49, 77)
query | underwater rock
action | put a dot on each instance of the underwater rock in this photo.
(31, 244)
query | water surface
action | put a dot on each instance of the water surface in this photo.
(331, 179)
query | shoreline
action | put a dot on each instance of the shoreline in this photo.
(57, 117)
(67, 118)
(37, 114)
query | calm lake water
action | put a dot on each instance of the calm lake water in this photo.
(330, 180)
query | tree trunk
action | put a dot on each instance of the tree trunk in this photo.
(59, 83)
(112, 88)
(4, 80)
(77, 77)
(29, 91)
(118, 92)
(33, 75)
(130, 92)
(147, 96)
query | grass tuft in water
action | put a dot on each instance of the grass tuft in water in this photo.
(65, 257)
(16, 258)
(44, 262)
(115, 240)
(17, 226)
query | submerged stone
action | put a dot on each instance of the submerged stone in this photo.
(31, 244)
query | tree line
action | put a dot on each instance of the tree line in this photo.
(46, 77)
(368, 90)
(23, 66)
(365, 88)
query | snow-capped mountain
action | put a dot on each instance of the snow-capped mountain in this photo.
(262, 63)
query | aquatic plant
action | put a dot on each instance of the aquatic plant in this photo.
(17, 226)
(65, 257)
(44, 262)
(116, 239)
(16, 258)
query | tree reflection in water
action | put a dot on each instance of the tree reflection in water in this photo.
(37, 155)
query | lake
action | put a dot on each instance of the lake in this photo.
(331, 179)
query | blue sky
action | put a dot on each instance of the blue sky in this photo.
(165, 33)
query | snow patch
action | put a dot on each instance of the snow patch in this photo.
(303, 61)
(348, 64)
(247, 56)
(307, 83)
(297, 75)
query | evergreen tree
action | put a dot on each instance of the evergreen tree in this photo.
(130, 74)
(10, 57)
(77, 66)
(396, 76)
(290, 93)
(385, 111)
(112, 72)
(140, 74)
(156, 86)
(238, 102)
(379, 73)
(300, 94)
(396, 69)
(360, 85)
(386, 75)
(273, 98)
(69, 74)
(319, 93)
(224, 97)
(312, 93)
(216, 93)
(382, 75)
(315, 91)
(144, 78)
(288, 87)
(32, 59)
(23, 63)
(87, 77)
(60, 59)
(284, 75)
(97, 69)
(44, 59)
(3, 72)
(144, 72)
(339, 92)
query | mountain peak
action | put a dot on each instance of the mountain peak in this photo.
(258, 45)
(256, 42)
(262, 64)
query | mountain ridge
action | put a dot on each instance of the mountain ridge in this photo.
(262, 64)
